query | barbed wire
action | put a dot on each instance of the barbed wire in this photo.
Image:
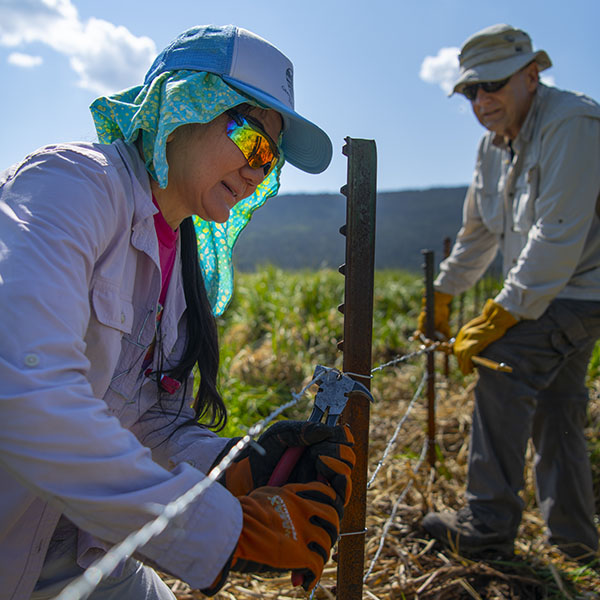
(398, 428)
(84, 585)
(389, 522)
(406, 357)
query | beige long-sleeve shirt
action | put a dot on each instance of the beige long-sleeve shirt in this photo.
(538, 207)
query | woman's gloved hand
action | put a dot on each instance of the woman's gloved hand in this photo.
(480, 332)
(333, 459)
(327, 448)
(441, 314)
(288, 528)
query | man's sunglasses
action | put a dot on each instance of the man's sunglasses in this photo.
(256, 145)
(470, 91)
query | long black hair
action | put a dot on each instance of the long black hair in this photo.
(202, 345)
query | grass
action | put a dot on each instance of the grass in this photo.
(281, 324)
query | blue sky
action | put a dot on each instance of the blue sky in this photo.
(362, 69)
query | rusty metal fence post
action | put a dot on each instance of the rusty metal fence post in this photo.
(359, 270)
(447, 249)
(430, 335)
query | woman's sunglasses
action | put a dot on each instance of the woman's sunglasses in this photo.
(470, 91)
(256, 145)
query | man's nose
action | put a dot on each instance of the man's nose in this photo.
(482, 96)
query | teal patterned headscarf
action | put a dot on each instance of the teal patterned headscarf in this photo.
(172, 99)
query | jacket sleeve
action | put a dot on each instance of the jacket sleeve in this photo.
(563, 213)
(56, 217)
(168, 428)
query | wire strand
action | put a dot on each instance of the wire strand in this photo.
(397, 430)
(389, 522)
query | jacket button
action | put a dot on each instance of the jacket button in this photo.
(32, 360)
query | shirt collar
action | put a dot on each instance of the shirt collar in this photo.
(140, 181)
(526, 132)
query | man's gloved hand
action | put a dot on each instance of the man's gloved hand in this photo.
(288, 528)
(441, 314)
(252, 470)
(480, 332)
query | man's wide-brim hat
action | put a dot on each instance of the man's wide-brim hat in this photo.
(256, 68)
(495, 53)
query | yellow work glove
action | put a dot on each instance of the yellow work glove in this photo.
(480, 332)
(441, 314)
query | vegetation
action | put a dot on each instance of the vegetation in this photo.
(280, 325)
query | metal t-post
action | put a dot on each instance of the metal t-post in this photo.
(359, 270)
(430, 334)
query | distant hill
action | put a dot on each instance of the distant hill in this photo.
(298, 231)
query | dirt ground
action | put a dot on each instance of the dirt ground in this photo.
(410, 565)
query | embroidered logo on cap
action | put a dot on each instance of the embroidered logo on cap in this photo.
(289, 79)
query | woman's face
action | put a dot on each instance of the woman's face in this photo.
(208, 174)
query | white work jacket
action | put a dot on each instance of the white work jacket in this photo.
(83, 433)
(538, 207)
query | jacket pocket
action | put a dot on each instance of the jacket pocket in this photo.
(490, 207)
(524, 203)
(110, 309)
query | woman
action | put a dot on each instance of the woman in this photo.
(113, 259)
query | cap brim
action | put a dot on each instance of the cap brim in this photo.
(304, 145)
(500, 69)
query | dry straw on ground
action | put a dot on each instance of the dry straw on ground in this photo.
(410, 565)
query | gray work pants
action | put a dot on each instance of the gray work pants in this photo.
(131, 581)
(545, 399)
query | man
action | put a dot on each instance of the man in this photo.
(534, 196)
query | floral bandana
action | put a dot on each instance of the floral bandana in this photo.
(172, 99)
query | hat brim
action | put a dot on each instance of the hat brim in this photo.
(499, 69)
(304, 145)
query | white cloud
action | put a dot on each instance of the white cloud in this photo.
(106, 57)
(548, 79)
(26, 61)
(441, 69)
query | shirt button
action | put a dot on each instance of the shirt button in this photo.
(122, 317)
(32, 360)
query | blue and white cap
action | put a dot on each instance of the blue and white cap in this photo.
(258, 69)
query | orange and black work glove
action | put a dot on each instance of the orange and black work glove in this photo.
(288, 528)
(333, 459)
(441, 314)
(480, 332)
(251, 470)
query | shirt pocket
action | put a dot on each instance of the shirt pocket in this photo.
(489, 205)
(110, 309)
(526, 193)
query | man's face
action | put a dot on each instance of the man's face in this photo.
(504, 111)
